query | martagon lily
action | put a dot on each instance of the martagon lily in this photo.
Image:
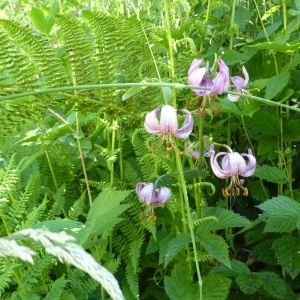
(168, 123)
(152, 197)
(239, 84)
(233, 164)
(201, 77)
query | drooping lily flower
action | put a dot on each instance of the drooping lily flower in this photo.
(201, 77)
(239, 84)
(233, 165)
(152, 197)
(168, 123)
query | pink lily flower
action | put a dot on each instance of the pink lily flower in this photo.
(201, 77)
(233, 165)
(239, 84)
(168, 123)
(152, 197)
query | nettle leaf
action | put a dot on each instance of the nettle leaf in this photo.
(282, 214)
(287, 250)
(237, 267)
(249, 283)
(263, 252)
(179, 286)
(215, 246)
(215, 287)
(175, 245)
(272, 174)
(264, 122)
(276, 84)
(226, 219)
(291, 130)
(275, 286)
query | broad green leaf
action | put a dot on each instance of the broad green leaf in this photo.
(282, 214)
(226, 219)
(263, 252)
(216, 246)
(267, 144)
(215, 287)
(287, 250)
(241, 17)
(164, 247)
(175, 245)
(249, 283)
(288, 48)
(178, 286)
(275, 286)
(40, 21)
(257, 190)
(291, 130)
(272, 174)
(264, 122)
(106, 208)
(276, 84)
(237, 267)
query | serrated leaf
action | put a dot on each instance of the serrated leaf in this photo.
(276, 84)
(263, 252)
(215, 287)
(175, 245)
(226, 219)
(272, 174)
(287, 251)
(237, 267)
(264, 122)
(282, 214)
(216, 246)
(249, 283)
(178, 286)
(291, 130)
(274, 285)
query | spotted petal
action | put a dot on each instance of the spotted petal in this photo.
(151, 123)
(187, 126)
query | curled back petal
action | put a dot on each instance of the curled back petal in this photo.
(238, 83)
(251, 165)
(195, 78)
(151, 123)
(162, 196)
(233, 97)
(195, 65)
(187, 126)
(219, 172)
(221, 82)
(146, 194)
(168, 120)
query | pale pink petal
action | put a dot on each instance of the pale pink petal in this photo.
(221, 82)
(221, 173)
(168, 120)
(251, 165)
(145, 193)
(196, 76)
(187, 127)
(233, 97)
(195, 65)
(162, 196)
(151, 123)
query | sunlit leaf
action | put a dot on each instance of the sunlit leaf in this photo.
(276, 84)
(269, 173)
(215, 287)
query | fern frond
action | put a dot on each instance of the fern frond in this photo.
(34, 216)
(135, 251)
(202, 184)
(56, 289)
(59, 201)
(201, 221)
(77, 208)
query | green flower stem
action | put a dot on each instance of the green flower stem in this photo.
(140, 84)
(189, 219)
(232, 24)
(208, 10)
(170, 48)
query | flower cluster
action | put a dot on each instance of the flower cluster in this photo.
(233, 164)
(200, 76)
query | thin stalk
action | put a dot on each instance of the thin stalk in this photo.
(4, 99)
(232, 24)
(170, 50)
(189, 219)
(208, 10)
(112, 149)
